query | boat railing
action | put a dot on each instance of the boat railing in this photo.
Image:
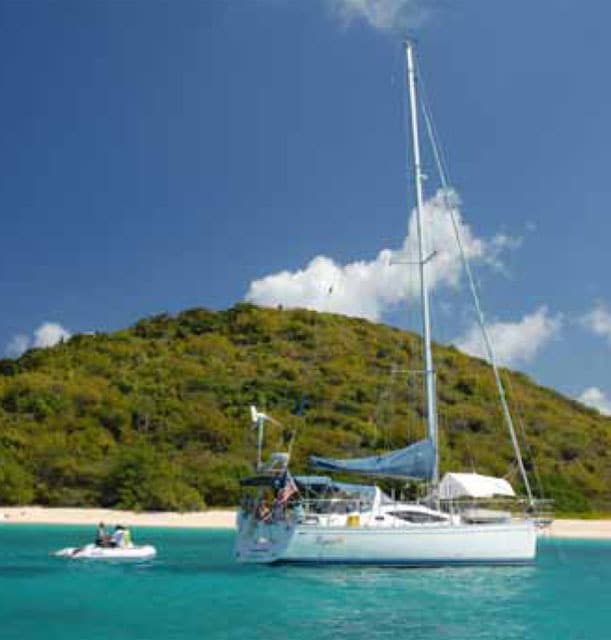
(303, 508)
(340, 506)
(517, 508)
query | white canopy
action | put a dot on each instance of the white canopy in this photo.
(473, 485)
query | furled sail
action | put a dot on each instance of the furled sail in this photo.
(416, 461)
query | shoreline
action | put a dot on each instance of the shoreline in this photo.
(225, 519)
(211, 519)
(579, 529)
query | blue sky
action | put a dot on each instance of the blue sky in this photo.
(157, 156)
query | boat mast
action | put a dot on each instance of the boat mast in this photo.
(429, 370)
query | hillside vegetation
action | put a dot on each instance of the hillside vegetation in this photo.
(156, 416)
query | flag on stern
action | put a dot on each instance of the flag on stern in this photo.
(288, 489)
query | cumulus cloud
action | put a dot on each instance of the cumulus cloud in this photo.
(383, 14)
(48, 334)
(17, 345)
(595, 398)
(513, 342)
(367, 289)
(598, 321)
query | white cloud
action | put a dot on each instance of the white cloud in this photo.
(598, 321)
(368, 288)
(48, 334)
(595, 398)
(383, 14)
(513, 342)
(18, 345)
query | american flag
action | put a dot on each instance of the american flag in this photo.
(289, 488)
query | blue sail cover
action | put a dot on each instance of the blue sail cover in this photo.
(416, 461)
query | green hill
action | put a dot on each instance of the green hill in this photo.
(156, 416)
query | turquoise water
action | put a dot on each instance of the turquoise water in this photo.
(195, 591)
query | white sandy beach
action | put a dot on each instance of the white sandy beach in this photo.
(592, 529)
(212, 519)
(225, 519)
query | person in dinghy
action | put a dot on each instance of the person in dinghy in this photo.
(102, 537)
(121, 537)
(107, 546)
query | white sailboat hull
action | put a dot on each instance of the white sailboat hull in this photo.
(426, 545)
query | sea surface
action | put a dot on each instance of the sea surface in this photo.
(194, 590)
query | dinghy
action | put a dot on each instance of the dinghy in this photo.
(95, 552)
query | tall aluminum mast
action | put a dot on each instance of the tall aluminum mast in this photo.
(429, 370)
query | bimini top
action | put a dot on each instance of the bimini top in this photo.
(326, 483)
(275, 481)
(416, 461)
(473, 485)
(313, 481)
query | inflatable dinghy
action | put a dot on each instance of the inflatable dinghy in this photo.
(94, 552)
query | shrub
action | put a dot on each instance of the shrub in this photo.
(16, 483)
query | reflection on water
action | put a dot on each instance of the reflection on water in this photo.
(418, 603)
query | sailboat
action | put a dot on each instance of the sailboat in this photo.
(315, 519)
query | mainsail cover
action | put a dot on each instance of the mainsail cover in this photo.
(416, 461)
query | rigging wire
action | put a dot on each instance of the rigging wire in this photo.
(473, 285)
(520, 420)
(385, 410)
